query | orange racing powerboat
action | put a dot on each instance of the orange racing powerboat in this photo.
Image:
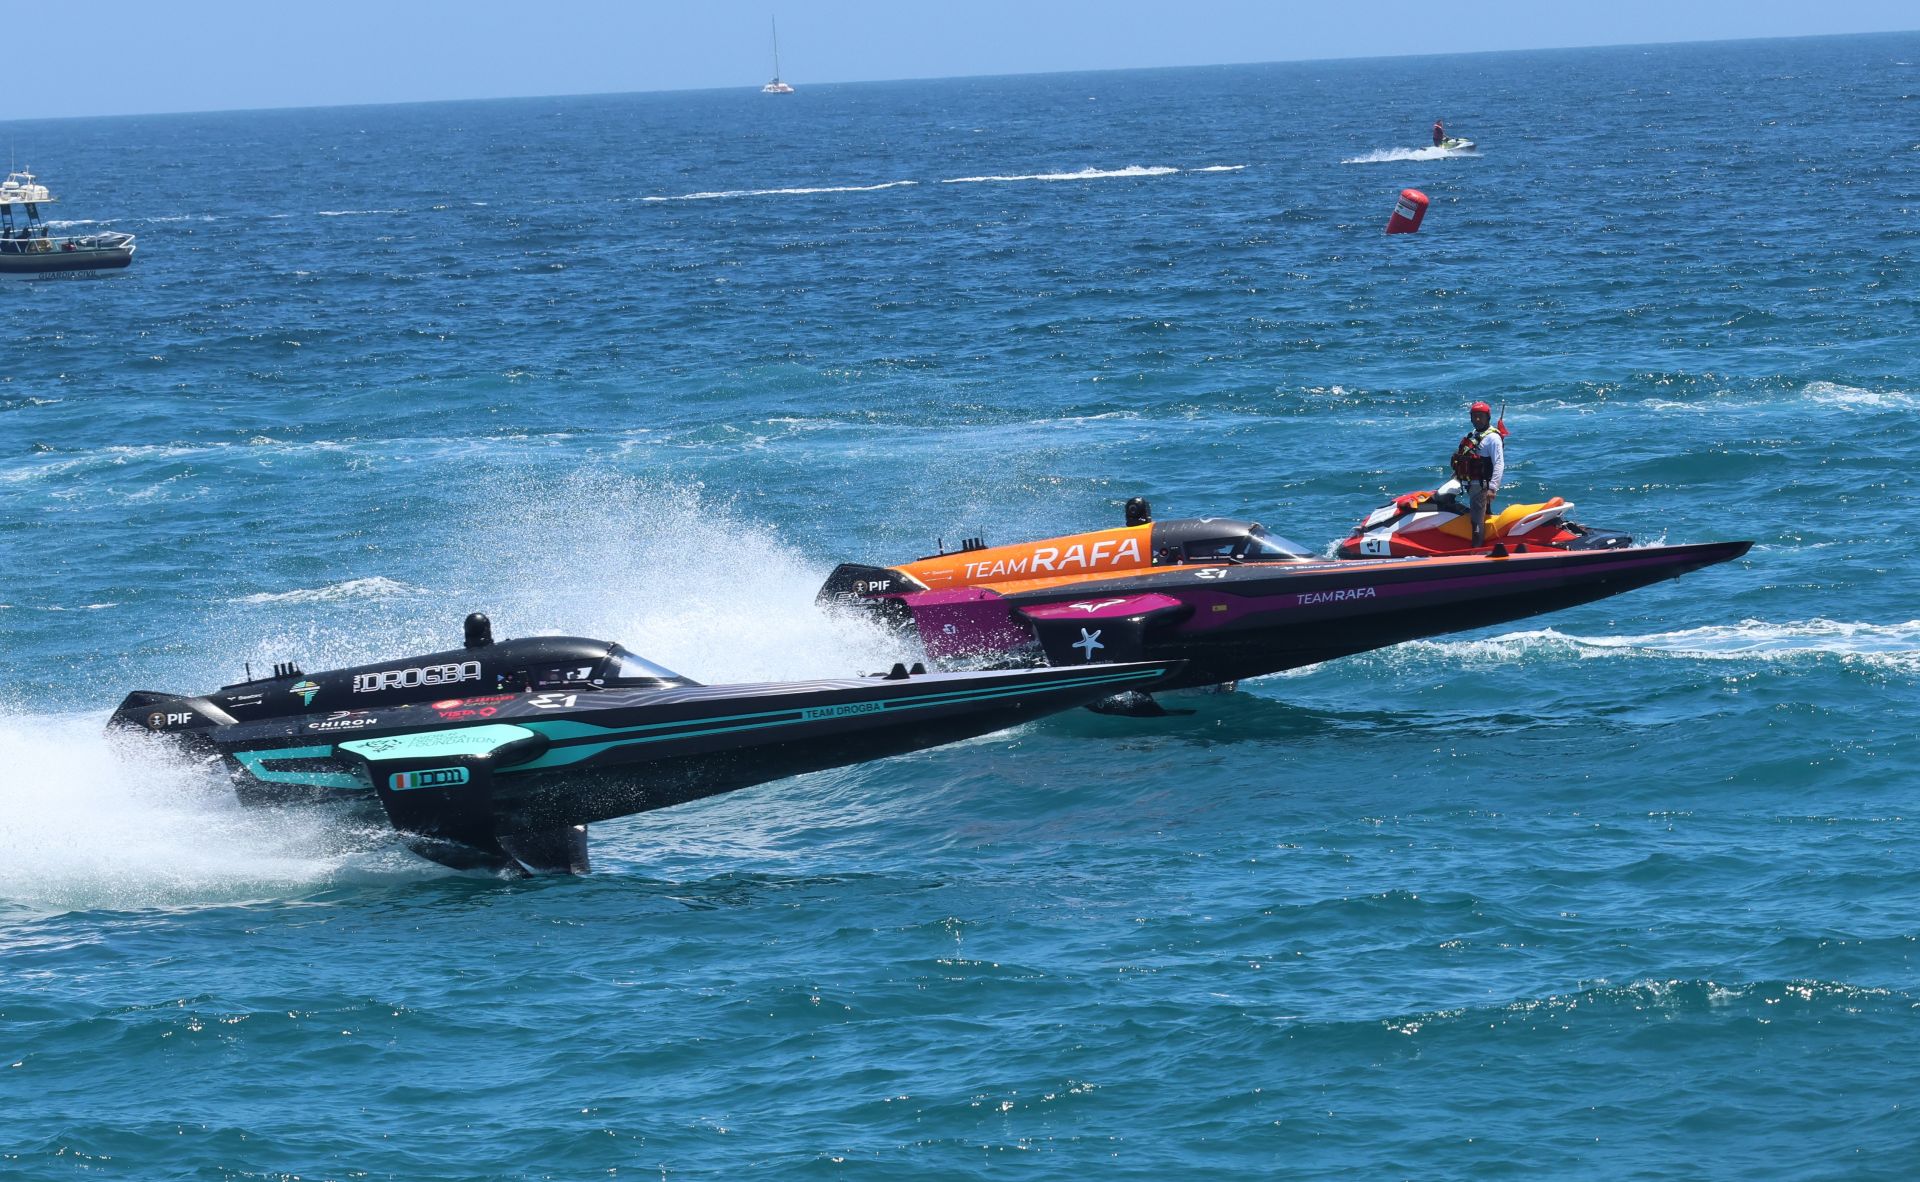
(1229, 597)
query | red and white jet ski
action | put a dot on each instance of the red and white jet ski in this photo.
(1435, 522)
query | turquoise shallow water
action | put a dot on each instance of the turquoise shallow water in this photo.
(1624, 891)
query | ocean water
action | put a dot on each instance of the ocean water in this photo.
(1626, 891)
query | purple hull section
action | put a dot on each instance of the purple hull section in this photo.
(1237, 621)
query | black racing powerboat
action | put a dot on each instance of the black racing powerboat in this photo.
(498, 756)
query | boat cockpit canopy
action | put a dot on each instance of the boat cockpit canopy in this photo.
(625, 670)
(1217, 539)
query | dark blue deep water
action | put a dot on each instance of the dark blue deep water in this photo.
(1628, 891)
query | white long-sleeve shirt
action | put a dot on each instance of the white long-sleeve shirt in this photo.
(1495, 449)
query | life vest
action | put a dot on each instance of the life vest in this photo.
(1468, 463)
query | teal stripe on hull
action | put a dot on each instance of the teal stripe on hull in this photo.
(789, 717)
(564, 729)
(254, 762)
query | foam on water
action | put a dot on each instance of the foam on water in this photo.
(373, 587)
(793, 192)
(98, 822)
(1392, 155)
(1856, 398)
(1888, 647)
(1085, 174)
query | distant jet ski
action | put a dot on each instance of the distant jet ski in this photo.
(498, 756)
(1435, 522)
(1229, 598)
(1454, 143)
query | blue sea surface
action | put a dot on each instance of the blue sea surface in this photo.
(1630, 890)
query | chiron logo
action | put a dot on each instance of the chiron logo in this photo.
(433, 777)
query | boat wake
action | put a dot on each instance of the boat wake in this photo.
(110, 822)
(1084, 174)
(723, 193)
(1388, 155)
(1887, 648)
(97, 822)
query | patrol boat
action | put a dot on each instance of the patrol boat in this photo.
(1228, 598)
(498, 756)
(29, 247)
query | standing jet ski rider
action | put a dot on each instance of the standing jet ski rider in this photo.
(1480, 465)
(1439, 133)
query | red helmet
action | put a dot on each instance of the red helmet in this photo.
(1480, 408)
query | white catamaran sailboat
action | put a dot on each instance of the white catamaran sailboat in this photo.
(776, 86)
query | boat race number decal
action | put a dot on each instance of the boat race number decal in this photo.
(436, 777)
(390, 679)
(553, 701)
(843, 709)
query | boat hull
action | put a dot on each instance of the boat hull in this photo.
(477, 781)
(1228, 623)
(57, 262)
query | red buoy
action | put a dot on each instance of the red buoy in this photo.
(1407, 214)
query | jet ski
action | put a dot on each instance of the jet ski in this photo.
(1229, 598)
(1454, 143)
(1436, 522)
(498, 756)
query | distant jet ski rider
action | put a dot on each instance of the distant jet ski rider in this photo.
(1439, 133)
(1480, 465)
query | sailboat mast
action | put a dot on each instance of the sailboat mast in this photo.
(776, 47)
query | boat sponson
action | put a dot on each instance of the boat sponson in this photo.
(1253, 619)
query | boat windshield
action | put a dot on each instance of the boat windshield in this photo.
(1270, 547)
(1255, 545)
(624, 668)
